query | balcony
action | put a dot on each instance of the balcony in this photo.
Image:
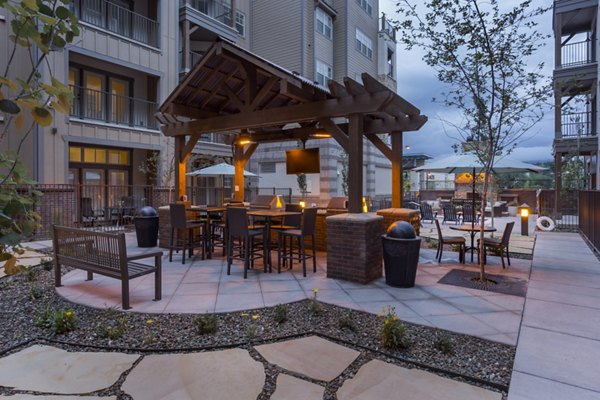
(119, 20)
(579, 124)
(107, 107)
(388, 28)
(577, 54)
(212, 18)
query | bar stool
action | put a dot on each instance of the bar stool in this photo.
(307, 228)
(251, 249)
(182, 232)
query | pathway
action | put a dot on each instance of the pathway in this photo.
(559, 341)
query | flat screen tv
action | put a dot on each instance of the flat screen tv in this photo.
(302, 161)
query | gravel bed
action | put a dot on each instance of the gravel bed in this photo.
(474, 360)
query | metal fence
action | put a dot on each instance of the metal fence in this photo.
(578, 53)
(84, 205)
(565, 212)
(589, 216)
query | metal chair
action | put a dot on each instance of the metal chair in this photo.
(497, 244)
(88, 214)
(468, 214)
(450, 214)
(238, 228)
(427, 212)
(307, 228)
(442, 240)
(182, 233)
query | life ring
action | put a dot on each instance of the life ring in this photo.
(545, 224)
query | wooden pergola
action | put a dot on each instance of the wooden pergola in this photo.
(240, 95)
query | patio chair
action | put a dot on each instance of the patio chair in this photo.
(427, 214)
(238, 228)
(450, 214)
(182, 233)
(88, 214)
(468, 214)
(498, 244)
(442, 240)
(307, 228)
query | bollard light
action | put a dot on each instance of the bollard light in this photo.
(302, 204)
(524, 212)
(365, 206)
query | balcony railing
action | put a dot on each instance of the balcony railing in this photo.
(117, 19)
(387, 27)
(216, 9)
(436, 185)
(577, 125)
(578, 53)
(112, 108)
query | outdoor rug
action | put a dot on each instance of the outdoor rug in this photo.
(503, 284)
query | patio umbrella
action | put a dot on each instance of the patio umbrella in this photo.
(468, 162)
(222, 169)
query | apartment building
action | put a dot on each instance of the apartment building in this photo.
(132, 53)
(576, 86)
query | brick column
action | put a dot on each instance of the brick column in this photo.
(391, 215)
(354, 250)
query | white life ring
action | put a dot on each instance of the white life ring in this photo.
(545, 224)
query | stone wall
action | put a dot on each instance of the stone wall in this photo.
(391, 215)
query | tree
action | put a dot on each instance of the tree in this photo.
(481, 53)
(39, 27)
(302, 185)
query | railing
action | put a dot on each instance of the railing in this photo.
(112, 108)
(589, 217)
(105, 205)
(436, 185)
(195, 56)
(566, 213)
(387, 27)
(216, 9)
(578, 53)
(577, 124)
(117, 19)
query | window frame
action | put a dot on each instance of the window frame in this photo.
(328, 23)
(367, 6)
(360, 42)
(317, 73)
(243, 23)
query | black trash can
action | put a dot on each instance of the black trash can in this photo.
(146, 227)
(400, 254)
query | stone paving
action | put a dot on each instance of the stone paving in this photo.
(226, 374)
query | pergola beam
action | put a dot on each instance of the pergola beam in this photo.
(339, 135)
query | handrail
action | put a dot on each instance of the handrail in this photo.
(578, 53)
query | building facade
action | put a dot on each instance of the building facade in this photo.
(576, 86)
(131, 54)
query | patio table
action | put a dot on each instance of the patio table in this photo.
(206, 210)
(269, 215)
(472, 229)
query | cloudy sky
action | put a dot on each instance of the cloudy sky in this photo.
(418, 83)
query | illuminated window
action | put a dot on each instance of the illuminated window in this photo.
(94, 155)
(75, 154)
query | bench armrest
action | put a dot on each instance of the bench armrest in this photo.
(145, 255)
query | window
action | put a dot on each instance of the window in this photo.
(267, 168)
(324, 73)
(324, 24)
(364, 44)
(366, 5)
(95, 155)
(240, 23)
(390, 62)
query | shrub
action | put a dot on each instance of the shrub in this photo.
(35, 292)
(280, 313)
(347, 322)
(444, 344)
(314, 306)
(393, 330)
(57, 321)
(113, 329)
(206, 324)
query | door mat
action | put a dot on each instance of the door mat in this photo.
(502, 284)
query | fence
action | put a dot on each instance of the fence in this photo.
(77, 205)
(566, 212)
(578, 53)
(589, 216)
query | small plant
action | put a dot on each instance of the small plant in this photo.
(35, 292)
(206, 324)
(30, 274)
(280, 313)
(113, 329)
(444, 344)
(57, 321)
(314, 306)
(111, 312)
(393, 330)
(148, 339)
(347, 322)
(47, 264)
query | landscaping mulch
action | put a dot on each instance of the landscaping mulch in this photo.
(24, 297)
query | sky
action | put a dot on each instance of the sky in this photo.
(417, 83)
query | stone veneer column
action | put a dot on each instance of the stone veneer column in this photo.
(354, 250)
(391, 215)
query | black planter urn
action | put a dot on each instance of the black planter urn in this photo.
(400, 254)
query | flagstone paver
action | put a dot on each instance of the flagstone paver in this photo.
(379, 380)
(227, 374)
(53, 370)
(311, 356)
(50, 397)
(290, 388)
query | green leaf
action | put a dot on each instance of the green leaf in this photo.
(44, 9)
(63, 12)
(59, 42)
(41, 116)
(31, 4)
(9, 106)
(47, 19)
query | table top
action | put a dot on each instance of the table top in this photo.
(206, 209)
(272, 213)
(476, 228)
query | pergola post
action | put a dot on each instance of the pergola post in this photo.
(180, 161)
(396, 169)
(355, 163)
(238, 182)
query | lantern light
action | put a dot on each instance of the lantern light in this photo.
(302, 204)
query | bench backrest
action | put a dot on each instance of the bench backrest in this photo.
(85, 249)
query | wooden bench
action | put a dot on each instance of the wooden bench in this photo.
(102, 253)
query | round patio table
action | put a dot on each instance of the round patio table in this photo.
(472, 229)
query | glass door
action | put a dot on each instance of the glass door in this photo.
(119, 104)
(94, 97)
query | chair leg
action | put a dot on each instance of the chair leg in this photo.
(125, 293)
(158, 279)
(171, 245)
(441, 251)
(266, 258)
(507, 255)
(246, 257)
(502, 257)
(314, 253)
(229, 254)
(303, 255)
(279, 239)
